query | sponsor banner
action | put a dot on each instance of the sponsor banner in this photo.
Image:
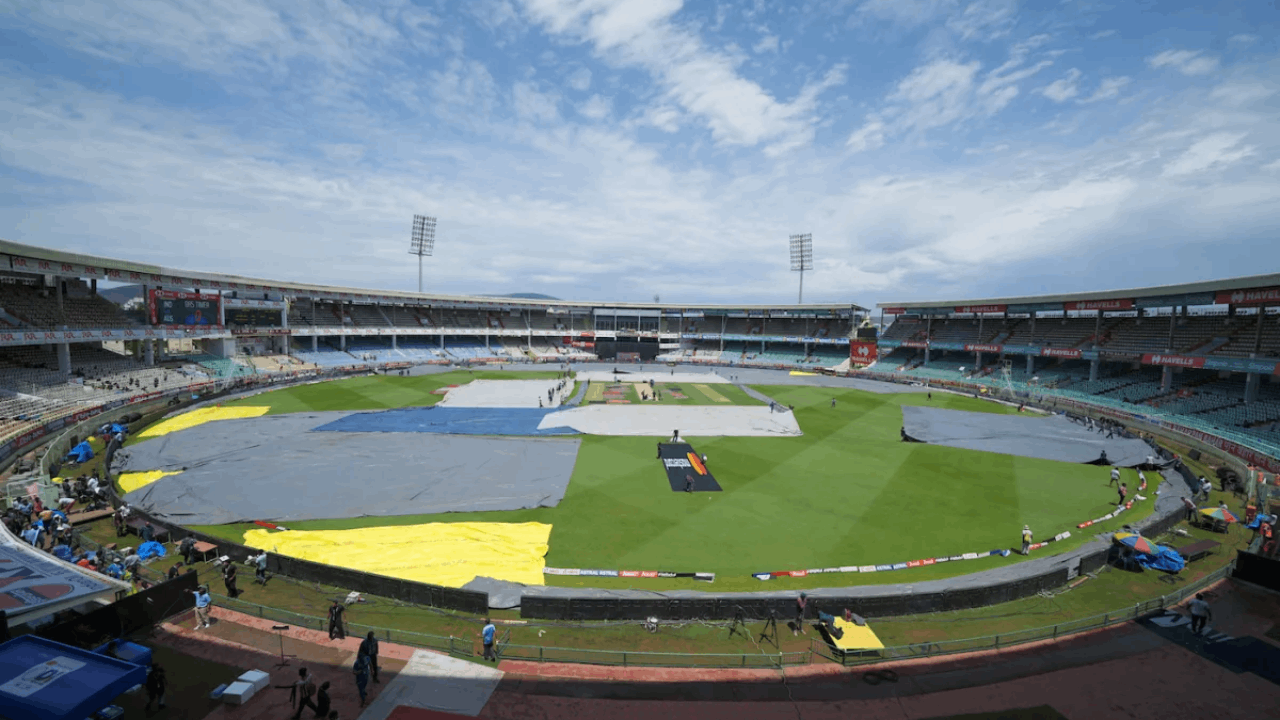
(1035, 307)
(915, 343)
(863, 353)
(866, 568)
(243, 302)
(1173, 360)
(680, 460)
(899, 566)
(981, 308)
(984, 348)
(879, 568)
(894, 311)
(1249, 296)
(664, 574)
(1061, 353)
(1115, 304)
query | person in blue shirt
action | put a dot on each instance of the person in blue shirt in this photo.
(32, 535)
(203, 601)
(486, 636)
(114, 570)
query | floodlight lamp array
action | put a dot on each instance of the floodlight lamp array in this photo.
(802, 252)
(423, 240)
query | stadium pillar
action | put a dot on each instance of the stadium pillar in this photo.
(93, 286)
(1094, 365)
(1166, 378)
(1031, 366)
(149, 353)
(1257, 333)
(315, 341)
(1173, 324)
(342, 342)
(64, 359)
(394, 346)
(977, 362)
(1251, 383)
(926, 355)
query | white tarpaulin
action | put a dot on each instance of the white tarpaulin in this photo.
(507, 394)
(661, 420)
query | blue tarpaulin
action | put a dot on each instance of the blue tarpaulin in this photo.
(149, 550)
(45, 680)
(81, 453)
(1167, 560)
(451, 421)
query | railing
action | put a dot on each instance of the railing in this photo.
(635, 658)
(1018, 637)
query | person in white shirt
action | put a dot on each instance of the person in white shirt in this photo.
(1115, 476)
(93, 485)
(1142, 478)
(1200, 613)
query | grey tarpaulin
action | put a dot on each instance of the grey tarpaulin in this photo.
(1051, 438)
(272, 468)
(503, 594)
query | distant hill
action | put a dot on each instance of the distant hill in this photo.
(528, 296)
(121, 295)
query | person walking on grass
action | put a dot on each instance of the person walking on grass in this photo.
(260, 568)
(1115, 477)
(486, 638)
(336, 629)
(1124, 491)
(833, 402)
(801, 603)
(203, 601)
(229, 579)
(1026, 539)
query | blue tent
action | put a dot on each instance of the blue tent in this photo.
(45, 680)
(1167, 559)
(81, 453)
(150, 549)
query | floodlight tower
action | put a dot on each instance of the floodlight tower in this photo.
(801, 258)
(423, 241)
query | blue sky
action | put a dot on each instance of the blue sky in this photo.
(623, 149)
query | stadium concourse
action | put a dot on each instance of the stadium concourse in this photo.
(1129, 672)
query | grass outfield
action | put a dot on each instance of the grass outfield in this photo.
(847, 492)
(378, 392)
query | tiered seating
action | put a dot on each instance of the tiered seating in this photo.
(1054, 332)
(222, 368)
(367, 316)
(421, 350)
(373, 350)
(38, 308)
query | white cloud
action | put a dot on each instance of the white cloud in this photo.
(868, 137)
(1243, 39)
(530, 104)
(984, 19)
(1107, 89)
(908, 13)
(597, 107)
(768, 43)
(1273, 166)
(580, 79)
(662, 117)
(1240, 94)
(1221, 148)
(703, 81)
(1102, 34)
(1063, 89)
(1187, 62)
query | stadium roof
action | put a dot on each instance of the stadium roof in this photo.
(1252, 289)
(34, 259)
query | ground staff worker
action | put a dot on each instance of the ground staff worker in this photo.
(1026, 539)
(203, 601)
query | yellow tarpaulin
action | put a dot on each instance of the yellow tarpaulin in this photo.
(134, 480)
(802, 373)
(856, 637)
(449, 554)
(200, 417)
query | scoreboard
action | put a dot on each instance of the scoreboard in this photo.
(176, 308)
(254, 317)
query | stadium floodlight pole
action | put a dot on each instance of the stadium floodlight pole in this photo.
(801, 258)
(423, 241)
